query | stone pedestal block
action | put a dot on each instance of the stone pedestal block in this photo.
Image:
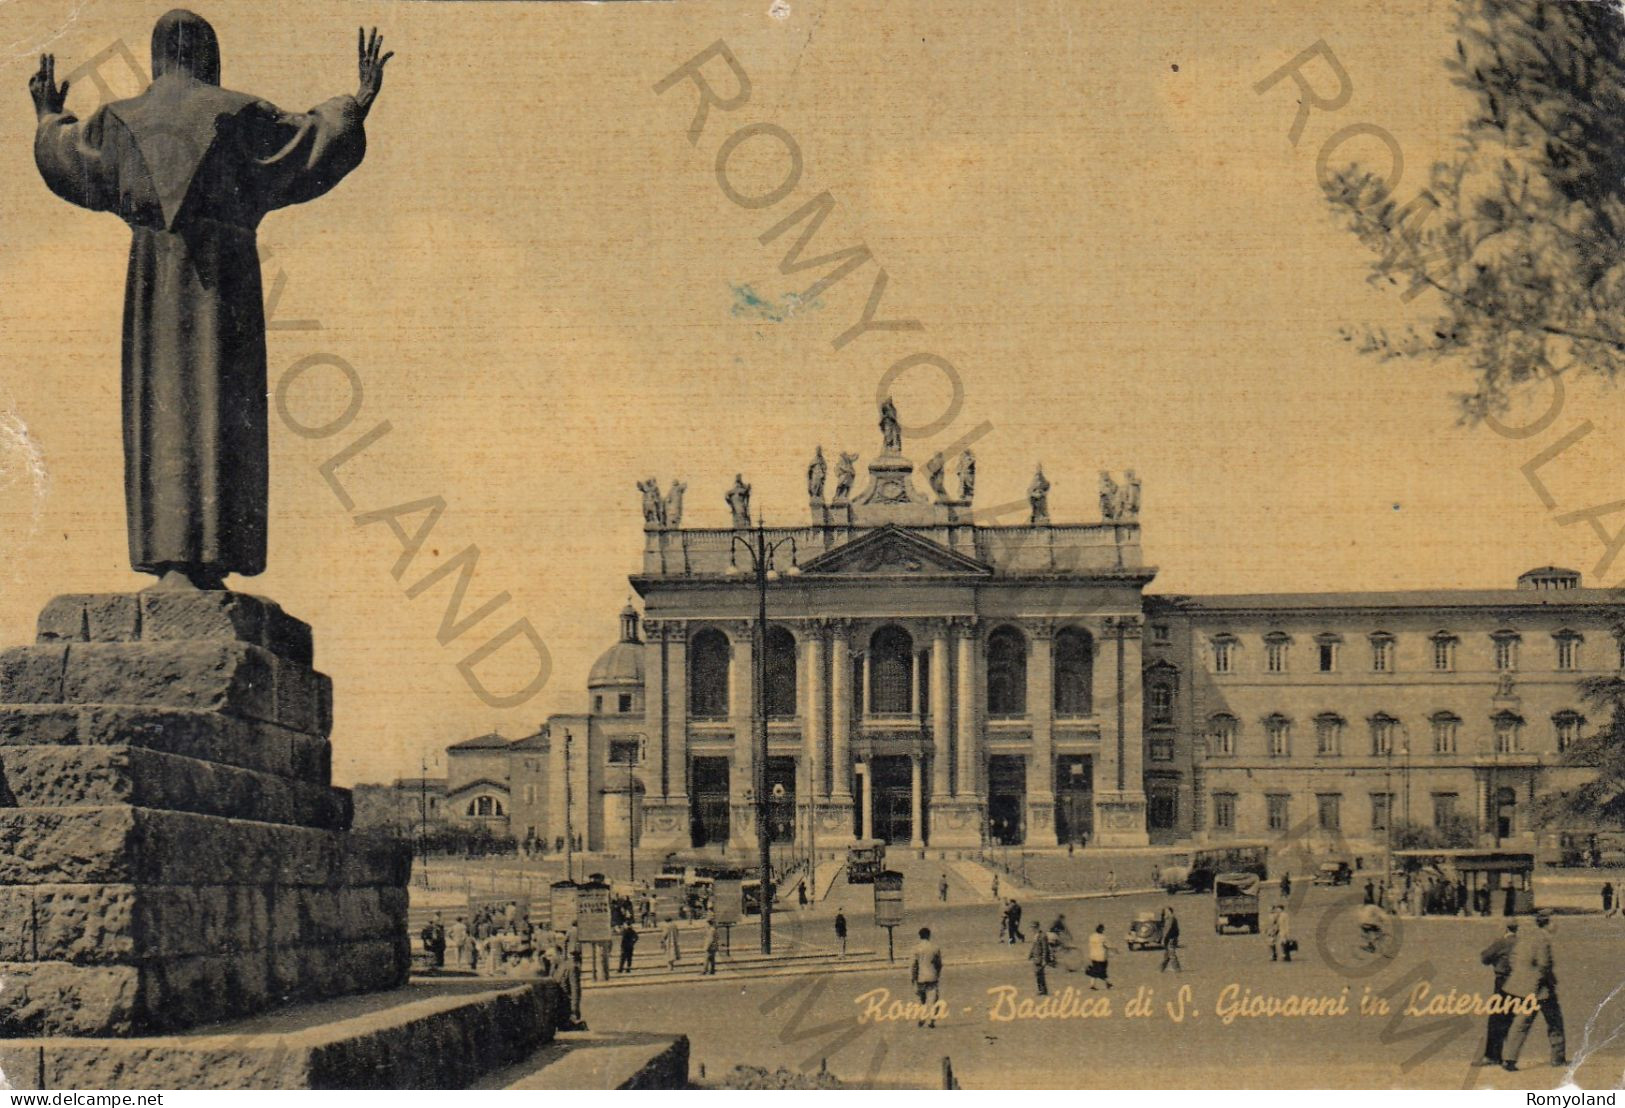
(1120, 819)
(172, 851)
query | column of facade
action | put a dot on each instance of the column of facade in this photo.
(941, 762)
(1120, 816)
(916, 828)
(741, 717)
(657, 742)
(840, 708)
(867, 826)
(812, 713)
(1041, 711)
(677, 756)
(966, 710)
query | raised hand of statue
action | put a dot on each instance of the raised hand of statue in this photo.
(48, 96)
(371, 66)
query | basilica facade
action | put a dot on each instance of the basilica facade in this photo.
(932, 680)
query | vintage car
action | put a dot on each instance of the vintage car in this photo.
(1145, 932)
(1334, 871)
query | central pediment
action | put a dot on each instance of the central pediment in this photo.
(892, 551)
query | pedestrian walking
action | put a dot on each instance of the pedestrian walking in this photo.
(1279, 934)
(457, 941)
(926, 974)
(629, 940)
(1370, 892)
(801, 893)
(1015, 923)
(1286, 885)
(1534, 974)
(1004, 921)
(1042, 957)
(710, 967)
(995, 886)
(1498, 955)
(1099, 950)
(1111, 881)
(942, 888)
(671, 944)
(434, 941)
(840, 930)
(1607, 898)
(1170, 940)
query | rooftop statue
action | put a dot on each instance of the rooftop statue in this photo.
(1038, 497)
(933, 475)
(654, 510)
(890, 430)
(845, 474)
(672, 509)
(738, 499)
(815, 476)
(966, 471)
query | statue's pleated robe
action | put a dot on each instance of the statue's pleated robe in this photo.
(193, 168)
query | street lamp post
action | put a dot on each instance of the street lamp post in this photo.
(631, 831)
(761, 553)
(569, 833)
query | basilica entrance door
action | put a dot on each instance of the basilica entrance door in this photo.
(892, 798)
(1074, 798)
(1007, 799)
(709, 805)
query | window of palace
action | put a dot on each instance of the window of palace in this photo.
(1382, 810)
(1276, 647)
(1382, 652)
(1326, 652)
(486, 807)
(1223, 649)
(1329, 811)
(1446, 726)
(781, 673)
(1506, 651)
(1566, 728)
(1279, 809)
(1160, 701)
(1224, 811)
(623, 752)
(1222, 730)
(1006, 673)
(1568, 649)
(1328, 735)
(1074, 665)
(1161, 748)
(1278, 730)
(623, 702)
(891, 671)
(708, 657)
(1383, 727)
(1444, 652)
(1444, 809)
(1159, 633)
(1162, 805)
(598, 702)
(1507, 727)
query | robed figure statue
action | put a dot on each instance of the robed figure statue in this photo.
(193, 168)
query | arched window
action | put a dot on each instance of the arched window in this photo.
(708, 654)
(781, 673)
(1446, 727)
(1006, 673)
(1507, 726)
(891, 671)
(1074, 672)
(1329, 735)
(1222, 730)
(1566, 726)
(485, 807)
(1383, 729)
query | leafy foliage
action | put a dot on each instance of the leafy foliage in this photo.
(1456, 833)
(1599, 803)
(1518, 236)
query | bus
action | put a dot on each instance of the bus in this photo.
(1194, 870)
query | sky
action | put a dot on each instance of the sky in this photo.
(1097, 218)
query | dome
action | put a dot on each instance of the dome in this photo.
(621, 664)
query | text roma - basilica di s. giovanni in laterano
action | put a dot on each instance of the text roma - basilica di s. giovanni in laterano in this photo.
(936, 681)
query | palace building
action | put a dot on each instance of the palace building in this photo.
(936, 681)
